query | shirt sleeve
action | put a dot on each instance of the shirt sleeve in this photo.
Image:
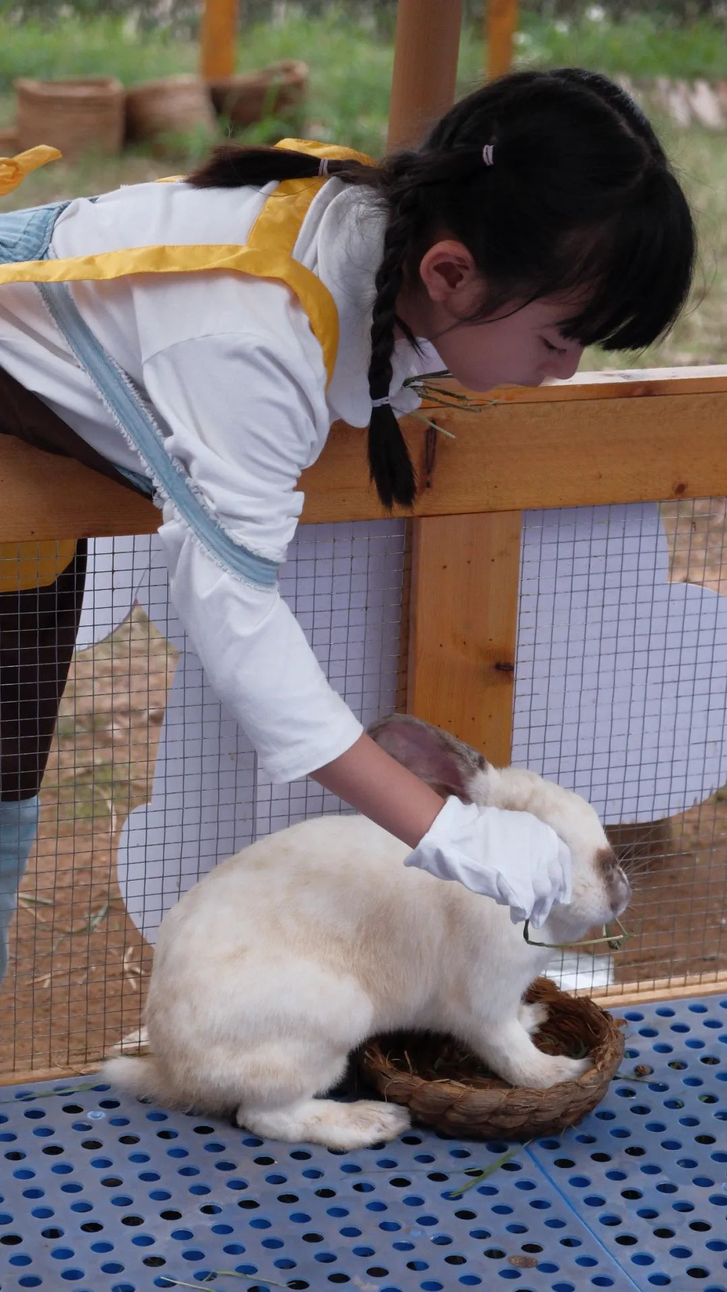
(244, 424)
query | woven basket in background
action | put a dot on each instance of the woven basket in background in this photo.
(174, 105)
(273, 90)
(445, 1087)
(9, 141)
(82, 115)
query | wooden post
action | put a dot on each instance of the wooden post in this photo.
(501, 25)
(460, 635)
(218, 30)
(463, 626)
(425, 66)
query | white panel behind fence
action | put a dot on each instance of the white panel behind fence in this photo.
(620, 693)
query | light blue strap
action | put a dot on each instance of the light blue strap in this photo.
(25, 235)
(123, 401)
(18, 828)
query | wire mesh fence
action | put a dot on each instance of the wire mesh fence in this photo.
(620, 694)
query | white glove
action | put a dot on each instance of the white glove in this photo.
(511, 856)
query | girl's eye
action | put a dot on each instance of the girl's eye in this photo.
(554, 349)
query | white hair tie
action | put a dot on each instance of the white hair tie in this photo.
(487, 154)
(323, 167)
(379, 403)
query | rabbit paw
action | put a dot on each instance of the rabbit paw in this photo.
(372, 1122)
(553, 1068)
(531, 1017)
(331, 1122)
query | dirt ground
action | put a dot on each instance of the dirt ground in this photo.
(679, 911)
(78, 965)
(677, 917)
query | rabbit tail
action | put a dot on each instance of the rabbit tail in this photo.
(138, 1076)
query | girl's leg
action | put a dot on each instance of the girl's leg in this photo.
(37, 636)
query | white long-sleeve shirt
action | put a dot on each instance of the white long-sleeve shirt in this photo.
(237, 383)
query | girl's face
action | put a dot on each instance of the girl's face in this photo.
(520, 345)
(524, 348)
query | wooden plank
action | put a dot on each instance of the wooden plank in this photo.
(425, 67)
(218, 30)
(426, 54)
(463, 622)
(592, 443)
(501, 25)
(402, 677)
(44, 496)
(709, 984)
(31, 1076)
(516, 456)
(620, 383)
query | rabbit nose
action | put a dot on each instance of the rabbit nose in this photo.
(619, 891)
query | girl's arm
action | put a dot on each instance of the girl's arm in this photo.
(381, 788)
(510, 856)
(245, 425)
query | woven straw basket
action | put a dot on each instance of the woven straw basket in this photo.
(247, 98)
(171, 106)
(85, 114)
(419, 1070)
(9, 144)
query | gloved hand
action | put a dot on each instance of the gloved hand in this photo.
(511, 856)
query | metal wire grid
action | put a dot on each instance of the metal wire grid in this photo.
(197, 792)
(150, 783)
(621, 694)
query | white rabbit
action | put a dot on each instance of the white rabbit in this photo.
(286, 957)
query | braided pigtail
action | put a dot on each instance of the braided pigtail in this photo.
(232, 165)
(389, 461)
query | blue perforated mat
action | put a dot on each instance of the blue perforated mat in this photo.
(101, 1194)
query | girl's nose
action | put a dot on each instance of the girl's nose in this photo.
(566, 365)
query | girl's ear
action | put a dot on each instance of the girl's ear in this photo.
(442, 761)
(447, 269)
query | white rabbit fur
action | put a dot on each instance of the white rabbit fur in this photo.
(283, 959)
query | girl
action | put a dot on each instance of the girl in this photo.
(539, 215)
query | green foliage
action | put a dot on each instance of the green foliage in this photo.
(351, 58)
(646, 44)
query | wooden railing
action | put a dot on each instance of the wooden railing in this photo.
(601, 438)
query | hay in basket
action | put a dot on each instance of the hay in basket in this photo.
(446, 1087)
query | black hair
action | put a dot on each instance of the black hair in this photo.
(580, 199)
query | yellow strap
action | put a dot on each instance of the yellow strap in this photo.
(267, 254)
(280, 220)
(14, 169)
(168, 259)
(34, 565)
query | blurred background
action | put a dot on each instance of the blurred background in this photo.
(672, 54)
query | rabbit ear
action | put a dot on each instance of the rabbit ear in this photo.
(445, 763)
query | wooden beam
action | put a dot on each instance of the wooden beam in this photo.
(464, 598)
(426, 54)
(680, 988)
(648, 438)
(218, 31)
(66, 1073)
(425, 67)
(501, 25)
